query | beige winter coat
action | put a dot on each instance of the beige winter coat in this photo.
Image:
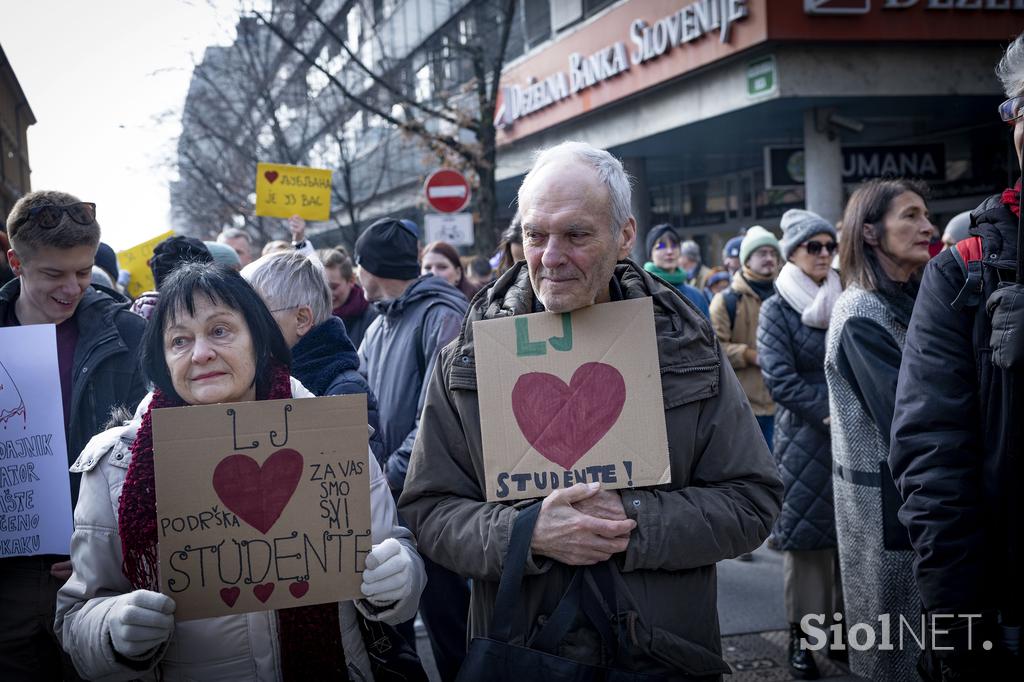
(242, 647)
(738, 338)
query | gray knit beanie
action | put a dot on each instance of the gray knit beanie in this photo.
(798, 226)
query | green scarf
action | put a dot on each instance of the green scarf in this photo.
(675, 278)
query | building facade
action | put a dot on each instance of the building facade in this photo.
(15, 118)
(728, 112)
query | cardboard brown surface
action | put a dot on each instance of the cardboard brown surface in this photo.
(568, 398)
(262, 505)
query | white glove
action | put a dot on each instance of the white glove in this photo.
(388, 574)
(140, 621)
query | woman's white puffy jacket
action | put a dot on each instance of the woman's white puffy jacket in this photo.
(242, 647)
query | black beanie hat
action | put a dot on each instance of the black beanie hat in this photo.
(388, 249)
(172, 252)
(106, 259)
(656, 233)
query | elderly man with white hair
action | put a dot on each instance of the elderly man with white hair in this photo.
(295, 290)
(660, 545)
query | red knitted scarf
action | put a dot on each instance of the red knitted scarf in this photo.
(1011, 199)
(309, 636)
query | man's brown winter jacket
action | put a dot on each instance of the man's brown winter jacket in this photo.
(724, 495)
(738, 336)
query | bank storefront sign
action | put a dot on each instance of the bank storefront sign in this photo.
(646, 42)
(784, 166)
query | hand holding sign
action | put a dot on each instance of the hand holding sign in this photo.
(140, 621)
(388, 574)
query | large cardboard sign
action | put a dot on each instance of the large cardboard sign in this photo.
(136, 261)
(262, 505)
(283, 191)
(571, 398)
(35, 491)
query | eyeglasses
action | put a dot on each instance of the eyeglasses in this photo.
(661, 246)
(48, 216)
(814, 248)
(287, 307)
(1012, 109)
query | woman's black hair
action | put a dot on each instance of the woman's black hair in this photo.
(223, 285)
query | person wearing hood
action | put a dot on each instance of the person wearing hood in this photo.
(419, 315)
(661, 544)
(323, 357)
(791, 352)
(882, 252)
(347, 299)
(663, 247)
(54, 238)
(957, 433)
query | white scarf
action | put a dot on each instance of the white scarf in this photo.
(813, 302)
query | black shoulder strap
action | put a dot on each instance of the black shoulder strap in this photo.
(508, 601)
(732, 299)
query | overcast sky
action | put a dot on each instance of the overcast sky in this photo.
(98, 75)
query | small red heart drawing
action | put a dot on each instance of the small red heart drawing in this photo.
(230, 595)
(270, 176)
(263, 591)
(257, 494)
(299, 588)
(563, 422)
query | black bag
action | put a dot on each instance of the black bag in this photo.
(494, 659)
(392, 659)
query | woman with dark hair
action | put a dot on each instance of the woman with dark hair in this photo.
(884, 247)
(210, 340)
(442, 260)
(510, 247)
(791, 352)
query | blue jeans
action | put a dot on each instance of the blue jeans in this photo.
(767, 425)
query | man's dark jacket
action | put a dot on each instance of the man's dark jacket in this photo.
(722, 500)
(956, 441)
(326, 363)
(106, 371)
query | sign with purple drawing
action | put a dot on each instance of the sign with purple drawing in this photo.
(35, 492)
(571, 398)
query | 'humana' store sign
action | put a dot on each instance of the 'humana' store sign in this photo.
(676, 30)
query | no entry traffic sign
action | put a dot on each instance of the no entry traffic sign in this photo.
(447, 190)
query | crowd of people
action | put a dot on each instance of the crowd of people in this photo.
(839, 391)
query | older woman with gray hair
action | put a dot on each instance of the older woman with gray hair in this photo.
(323, 357)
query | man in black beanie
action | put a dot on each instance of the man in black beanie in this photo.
(418, 317)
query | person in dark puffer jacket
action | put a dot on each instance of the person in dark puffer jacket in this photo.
(791, 350)
(323, 357)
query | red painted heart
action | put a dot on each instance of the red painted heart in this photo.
(256, 494)
(270, 176)
(263, 591)
(299, 588)
(563, 422)
(230, 595)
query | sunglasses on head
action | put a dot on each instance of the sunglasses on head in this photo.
(48, 216)
(814, 248)
(1012, 109)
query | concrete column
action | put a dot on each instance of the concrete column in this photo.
(636, 167)
(823, 167)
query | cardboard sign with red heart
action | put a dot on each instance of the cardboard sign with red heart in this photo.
(262, 505)
(571, 398)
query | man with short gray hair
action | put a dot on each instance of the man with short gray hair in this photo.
(661, 544)
(239, 240)
(323, 357)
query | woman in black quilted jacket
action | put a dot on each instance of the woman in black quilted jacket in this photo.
(791, 350)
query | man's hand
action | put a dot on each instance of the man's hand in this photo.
(750, 355)
(568, 535)
(61, 571)
(297, 226)
(605, 504)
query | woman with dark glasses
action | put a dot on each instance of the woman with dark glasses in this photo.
(884, 247)
(791, 349)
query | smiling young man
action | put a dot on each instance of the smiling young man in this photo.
(577, 231)
(54, 238)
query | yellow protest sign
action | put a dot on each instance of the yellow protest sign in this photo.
(283, 191)
(136, 261)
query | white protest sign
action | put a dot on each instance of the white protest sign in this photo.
(35, 492)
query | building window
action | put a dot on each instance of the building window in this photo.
(537, 21)
(591, 7)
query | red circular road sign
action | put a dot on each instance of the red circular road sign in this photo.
(447, 190)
